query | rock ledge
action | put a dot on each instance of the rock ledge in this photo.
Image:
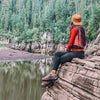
(78, 80)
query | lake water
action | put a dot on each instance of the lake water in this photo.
(22, 80)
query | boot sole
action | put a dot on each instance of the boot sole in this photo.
(49, 85)
(50, 79)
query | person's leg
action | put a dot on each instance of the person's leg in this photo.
(56, 60)
(63, 57)
(67, 57)
(52, 75)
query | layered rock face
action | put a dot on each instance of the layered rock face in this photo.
(36, 47)
(93, 48)
(79, 79)
(44, 46)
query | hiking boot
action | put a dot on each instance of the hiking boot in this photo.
(47, 84)
(50, 77)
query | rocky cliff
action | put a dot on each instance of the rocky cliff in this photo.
(79, 79)
(44, 46)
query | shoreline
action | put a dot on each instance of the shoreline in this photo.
(11, 55)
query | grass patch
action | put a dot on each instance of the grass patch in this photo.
(2, 45)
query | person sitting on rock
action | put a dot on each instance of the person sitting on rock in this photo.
(74, 49)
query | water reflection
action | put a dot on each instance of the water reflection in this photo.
(21, 80)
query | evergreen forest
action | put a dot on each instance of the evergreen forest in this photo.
(29, 19)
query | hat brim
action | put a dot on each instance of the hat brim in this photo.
(77, 23)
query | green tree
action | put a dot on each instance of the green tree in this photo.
(94, 23)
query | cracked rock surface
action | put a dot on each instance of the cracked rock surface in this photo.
(79, 79)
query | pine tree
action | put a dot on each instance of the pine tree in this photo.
(19, 17)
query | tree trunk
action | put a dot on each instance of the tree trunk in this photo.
(76, 5)
(91, 8)
(96, 2)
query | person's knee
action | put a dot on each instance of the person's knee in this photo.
(56, 53)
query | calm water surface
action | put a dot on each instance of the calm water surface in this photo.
(22, 80)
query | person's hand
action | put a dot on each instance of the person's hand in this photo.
(65, 49)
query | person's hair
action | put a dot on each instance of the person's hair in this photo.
(83, 37)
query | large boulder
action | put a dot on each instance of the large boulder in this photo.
(28, 47)
(93, 48)
(22, 45)
(14, 45)
(51, 48)
(79, 79)
(60, 47)
(35, 47)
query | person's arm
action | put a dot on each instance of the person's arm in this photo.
(71, 41)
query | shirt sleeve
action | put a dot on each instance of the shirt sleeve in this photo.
(71, 41)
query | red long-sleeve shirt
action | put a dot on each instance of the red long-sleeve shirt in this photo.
(72, 38)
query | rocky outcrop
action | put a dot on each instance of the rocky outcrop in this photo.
(93, 48)
(78, 80)
(42, 47)
(4, 42)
